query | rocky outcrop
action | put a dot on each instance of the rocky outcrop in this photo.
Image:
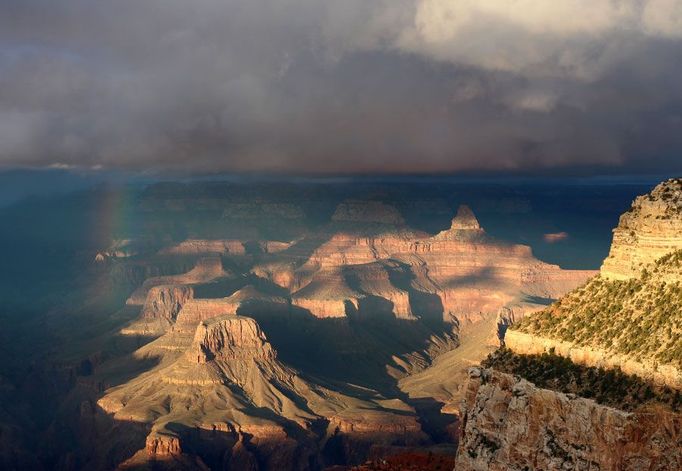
(326, 308)
(629, 316)
(159, 445)
(228, 247)
(650, 229)
(198, 310)
(649, 369)
(509, 424)
(206, 269)
(230, 338)
(203, 246)
(362, 290)
(229, 381)
(464, 225)
(634, 325)
(160, 310)
(165, 302)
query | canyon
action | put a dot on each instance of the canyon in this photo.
(220, 331)
(622, 330)
(352, 308)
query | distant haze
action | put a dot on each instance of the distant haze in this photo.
(342, 86)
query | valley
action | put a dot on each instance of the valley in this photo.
(211, 333)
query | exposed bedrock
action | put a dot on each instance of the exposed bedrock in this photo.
(165, 302)
(510, 424)
(650, 369)
(629, 316)
(650, 229)
(466, 269)
(206, 269)
(230, 247)
(197, 310)
(227, 385)
(230, 338)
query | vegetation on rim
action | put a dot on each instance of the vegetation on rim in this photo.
(610, 387)
(639, 317)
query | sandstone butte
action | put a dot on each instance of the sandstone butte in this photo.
(511, 425)
(223, 378)
(630, 316)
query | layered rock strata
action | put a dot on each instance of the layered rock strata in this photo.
(630, 316)
(206, 269)
(649, 369)
(462, 267)
(231, 247)
(650, 229)
(161, 309)
(228, 378)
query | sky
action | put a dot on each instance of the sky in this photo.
(342, 86)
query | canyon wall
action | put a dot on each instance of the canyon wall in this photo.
(530, 344)
(630, 316)
(650, 229)
(511, 425)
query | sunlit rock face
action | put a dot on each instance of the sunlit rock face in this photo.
(468, 272)
(161, 309)
(630, 316)
(226, 383)
(509, 424)
(650, 229)
(206, 269)
(464, 220)
(230, 338)
(288, 358)
(202, 246)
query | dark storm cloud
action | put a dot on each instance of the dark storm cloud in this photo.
(341, 86)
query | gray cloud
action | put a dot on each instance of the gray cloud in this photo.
(342, 86)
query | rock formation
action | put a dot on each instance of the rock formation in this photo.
(198, 310)
(205, 247)
(228, 377)
(465, 269)
(374, 301)
(464, 224)
(230, 338)
(161, 309)
(629, 316)
(509, 424)
(206, 269)
(229, 247)
(650, 229)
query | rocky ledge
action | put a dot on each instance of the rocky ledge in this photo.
(528, 344)
(510, 424)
